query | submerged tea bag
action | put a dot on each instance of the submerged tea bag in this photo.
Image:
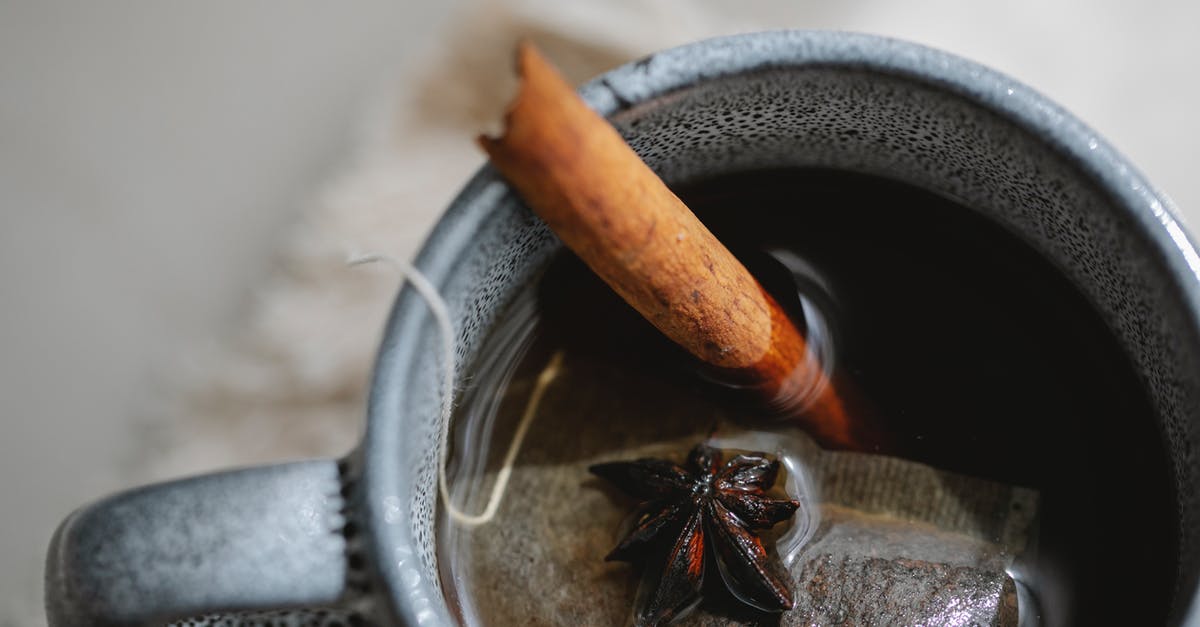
(893, 541)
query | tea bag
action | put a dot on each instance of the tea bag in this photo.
(896, 542)
(901, 542)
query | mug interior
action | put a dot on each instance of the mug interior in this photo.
(835, 101)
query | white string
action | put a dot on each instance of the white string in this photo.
(510, 457)
(437, 306)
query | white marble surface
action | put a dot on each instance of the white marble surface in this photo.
(150, 155)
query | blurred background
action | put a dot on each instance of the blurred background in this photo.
(180, 185)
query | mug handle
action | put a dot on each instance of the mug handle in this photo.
(266, 538)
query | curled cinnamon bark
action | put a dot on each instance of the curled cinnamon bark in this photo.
(577, 173)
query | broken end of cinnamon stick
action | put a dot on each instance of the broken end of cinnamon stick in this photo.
(538, 83)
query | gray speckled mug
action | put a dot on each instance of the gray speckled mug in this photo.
(351, 541)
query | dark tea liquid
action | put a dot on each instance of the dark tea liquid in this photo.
(978, 355)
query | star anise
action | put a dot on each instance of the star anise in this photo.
(704, 514)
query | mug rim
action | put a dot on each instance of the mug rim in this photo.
(412, 598)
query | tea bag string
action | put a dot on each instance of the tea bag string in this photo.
(437, 306)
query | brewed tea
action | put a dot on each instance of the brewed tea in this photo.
(982, 360)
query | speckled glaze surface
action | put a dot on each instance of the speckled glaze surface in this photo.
(836, 100)
(270, 536)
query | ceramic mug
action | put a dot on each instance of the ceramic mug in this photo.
(352, 541)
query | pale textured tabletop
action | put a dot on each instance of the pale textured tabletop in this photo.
(180, 187)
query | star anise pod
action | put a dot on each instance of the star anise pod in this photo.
(706, 513)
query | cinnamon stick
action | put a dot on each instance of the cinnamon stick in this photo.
(576, 172)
